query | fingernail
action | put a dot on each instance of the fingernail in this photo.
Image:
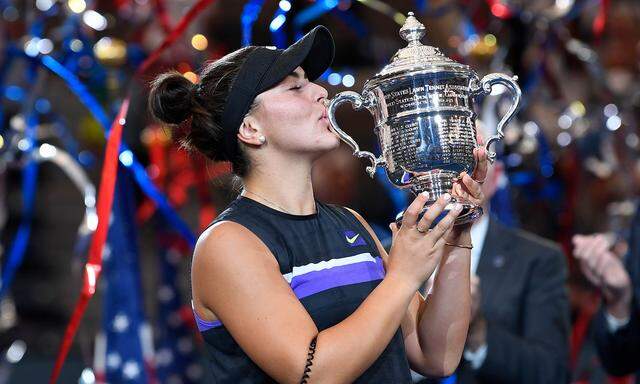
(425, 194)
(446, 197)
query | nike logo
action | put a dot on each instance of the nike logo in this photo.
(352, 240)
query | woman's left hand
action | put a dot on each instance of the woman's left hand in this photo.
(469, 187)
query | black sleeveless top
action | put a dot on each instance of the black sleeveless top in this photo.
(331, 263)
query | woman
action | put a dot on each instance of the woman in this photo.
(287, 288)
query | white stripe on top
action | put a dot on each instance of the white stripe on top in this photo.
(327, 264)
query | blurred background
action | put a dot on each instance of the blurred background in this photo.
(67, 66)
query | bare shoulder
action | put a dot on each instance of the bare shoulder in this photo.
(228, 242)
(225, 255)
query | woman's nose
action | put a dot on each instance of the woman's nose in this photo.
(322, 94)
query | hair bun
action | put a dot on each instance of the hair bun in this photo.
(170, 99)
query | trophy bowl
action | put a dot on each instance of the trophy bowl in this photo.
(422, 105)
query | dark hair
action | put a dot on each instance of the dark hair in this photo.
(175, 100)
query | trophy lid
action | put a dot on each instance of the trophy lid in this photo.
(417, 56)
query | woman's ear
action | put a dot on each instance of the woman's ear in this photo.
(250, 132)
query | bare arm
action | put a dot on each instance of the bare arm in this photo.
(444, 318)
(235, 276)
(435, 331)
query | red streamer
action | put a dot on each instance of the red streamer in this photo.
(105, 198)
(173, 36)
(94, 262)
(601, 19)
(163, 16)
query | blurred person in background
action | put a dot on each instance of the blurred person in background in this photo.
(617, 323)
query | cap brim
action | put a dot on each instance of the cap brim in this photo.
(313, 52)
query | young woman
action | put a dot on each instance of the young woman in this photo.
(284, 287)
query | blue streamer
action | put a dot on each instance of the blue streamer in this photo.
(163, 205)
(29, 178)
(545, 159)
(4, 69)
(421, 5)
(313, 11)
(468, 29)
(69, 143)
(18, 247)
(353, 22)
(250, 13)
(277, 25)
(20, 241)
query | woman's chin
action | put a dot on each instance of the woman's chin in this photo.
(327, 144)
(334, 140)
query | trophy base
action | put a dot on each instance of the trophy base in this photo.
(470, 212)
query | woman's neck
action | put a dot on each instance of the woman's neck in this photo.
(285, 188)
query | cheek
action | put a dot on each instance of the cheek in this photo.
(288, 110)
(291, 120)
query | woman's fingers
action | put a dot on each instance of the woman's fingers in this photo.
(433, 212)
(445, 223)
(394, 230)
(410, 216)
(479, 137)
(482, 164)
(468, 189)
(474, 189)
(458, 190)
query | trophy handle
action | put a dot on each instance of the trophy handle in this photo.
(484, 87)
(357, 102)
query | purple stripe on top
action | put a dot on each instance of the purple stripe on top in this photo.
(204, 325)
(317, 281)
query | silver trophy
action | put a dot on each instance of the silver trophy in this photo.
(424, 118)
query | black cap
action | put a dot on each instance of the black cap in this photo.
(265, 67)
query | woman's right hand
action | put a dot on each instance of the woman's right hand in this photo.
(416, 250)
